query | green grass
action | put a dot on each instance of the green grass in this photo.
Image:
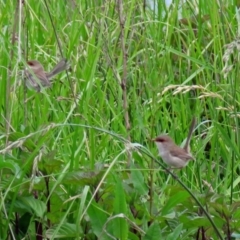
(72, 168)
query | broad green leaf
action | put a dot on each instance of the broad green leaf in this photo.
(153, 232)
(195, 222)
(176, 233)
(139, 182)
(133, 236)
(83, 178)
(67, 230)
(37, 206)
(97, 218)
(10, 165)
(222, 209)
(175, 199)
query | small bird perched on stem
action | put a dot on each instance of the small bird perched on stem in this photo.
(36, 77)
(172, 154)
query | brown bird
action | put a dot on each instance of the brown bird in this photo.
(36, 77)
(172, 154)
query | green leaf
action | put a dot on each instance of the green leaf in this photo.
(67, 230)
(222, 209)
(194, 222)
(10, 165)
(37, 206)
(175, 199)
(83, 178)
(139, 182)
(120, 227)
(97, 218)
(176, 233)
(50, 165)
(133, 236)
(153, 232)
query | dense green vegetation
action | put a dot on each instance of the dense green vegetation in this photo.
(76, 161)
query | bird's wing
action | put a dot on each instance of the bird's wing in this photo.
(181, 153)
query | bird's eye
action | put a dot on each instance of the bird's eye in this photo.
(159, 140)
(30, 63)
